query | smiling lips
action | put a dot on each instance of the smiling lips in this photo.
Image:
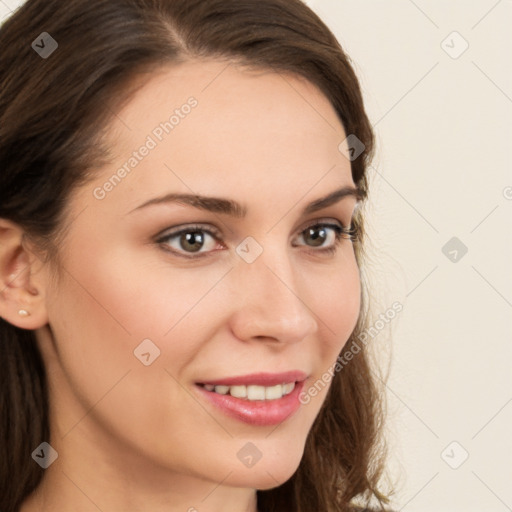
(253, 392)
(257, 399)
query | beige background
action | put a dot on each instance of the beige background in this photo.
(443, 118)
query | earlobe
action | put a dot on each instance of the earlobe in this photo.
(21, 286)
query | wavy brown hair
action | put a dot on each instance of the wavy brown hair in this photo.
(53, 113)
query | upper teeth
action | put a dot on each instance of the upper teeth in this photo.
(253, 392)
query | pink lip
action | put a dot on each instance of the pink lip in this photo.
(256, 412)
(259, 379)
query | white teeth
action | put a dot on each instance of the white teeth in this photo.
(256, 392)
(253, 392)
(238, 391)
(222, 390)
(288, 388)
(274, 392)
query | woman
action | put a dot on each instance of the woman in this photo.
(180, 251)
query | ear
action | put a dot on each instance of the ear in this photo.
(22, 281)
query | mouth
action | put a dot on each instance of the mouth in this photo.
(258, 399)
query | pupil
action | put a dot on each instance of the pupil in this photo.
(194, 239)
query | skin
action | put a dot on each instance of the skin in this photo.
(135, 437)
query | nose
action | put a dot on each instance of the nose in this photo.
(269, 304)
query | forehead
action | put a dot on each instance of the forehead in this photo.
(230, 88)
(213, 126)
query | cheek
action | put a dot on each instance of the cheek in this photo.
(337, 301)
(110, 299)
(99, 316)
(132, 296)
(337, 308)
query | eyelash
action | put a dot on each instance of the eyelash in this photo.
(341, 233)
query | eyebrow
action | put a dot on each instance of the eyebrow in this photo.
(236, 210)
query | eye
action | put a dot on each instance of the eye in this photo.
(190, 239)
(327, 236)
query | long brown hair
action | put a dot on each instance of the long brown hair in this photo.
(52, 114)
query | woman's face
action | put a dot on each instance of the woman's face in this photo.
(142, 317)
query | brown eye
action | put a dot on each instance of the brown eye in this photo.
(320, 235)
(190, 240)
(317, 235)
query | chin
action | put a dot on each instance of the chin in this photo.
(265, 475)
